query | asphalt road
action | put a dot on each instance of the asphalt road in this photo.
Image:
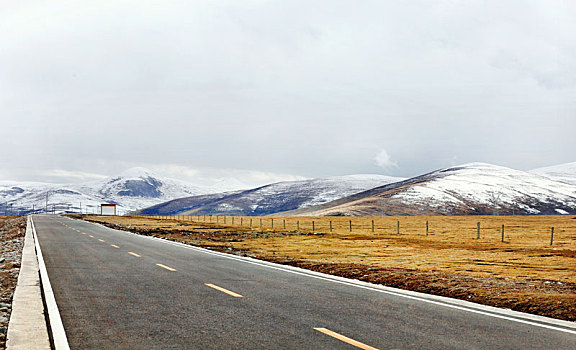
(117, 290)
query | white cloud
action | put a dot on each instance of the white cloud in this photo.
(287, 87)
(62, 175)
(221, 178)
(384, 161)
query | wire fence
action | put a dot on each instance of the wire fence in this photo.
(518, 231)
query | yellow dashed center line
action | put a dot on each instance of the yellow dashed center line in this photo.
(101, 240)
(136, 255)
(114, 245)
(166, 267)
(236, 295)
(83, 233)
(345, 339)
(91, 236)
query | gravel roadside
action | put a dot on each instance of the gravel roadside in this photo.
(12, 231)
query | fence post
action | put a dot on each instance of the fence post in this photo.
(426, 227)
(313, 227)
(250, 222)
(478, 230)
(284, 223)
(241, 221)
(272, 223)
(260, 222)
(330, 225)
(224, 219)
(502, 233)
(552, 235)
(398, 227)
(297, 225)
(350, 225)
(232, 220)
(372, 226)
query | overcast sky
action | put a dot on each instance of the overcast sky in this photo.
(272, 90)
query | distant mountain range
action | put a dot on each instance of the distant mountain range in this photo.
(475, 188)
(133, 189)
(271, 198)
(469, 189)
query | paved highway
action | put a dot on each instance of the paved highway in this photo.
(123, 291)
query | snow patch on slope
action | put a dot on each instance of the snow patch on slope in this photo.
(490, 185)
(562, 172)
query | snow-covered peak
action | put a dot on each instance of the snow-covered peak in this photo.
(475, 167)
(132, 189)
(562, 172)
(487, 183)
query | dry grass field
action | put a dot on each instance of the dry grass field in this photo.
(524, 272)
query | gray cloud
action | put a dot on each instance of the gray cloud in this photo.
(284, 87)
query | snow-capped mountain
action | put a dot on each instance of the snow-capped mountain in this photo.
(133, 189)
(562, 172)
(474, 188)
(272, 198)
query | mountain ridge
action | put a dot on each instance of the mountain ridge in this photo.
(130, 190)
(267, 199)
(468, 189)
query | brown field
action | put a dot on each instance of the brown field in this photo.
(12, 230)
(524, 272)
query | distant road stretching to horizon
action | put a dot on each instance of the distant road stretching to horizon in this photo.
(119, 290)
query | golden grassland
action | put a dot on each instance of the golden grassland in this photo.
(450, 246)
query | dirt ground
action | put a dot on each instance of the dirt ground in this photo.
(12, 230)
(523, 273)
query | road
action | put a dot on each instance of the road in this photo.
(117, 290)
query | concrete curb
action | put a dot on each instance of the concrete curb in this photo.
(27, 328)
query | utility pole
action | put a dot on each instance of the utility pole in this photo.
(47, 202)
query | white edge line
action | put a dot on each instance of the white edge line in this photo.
(58, 332)
(467, 306)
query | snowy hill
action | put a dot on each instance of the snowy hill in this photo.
(562, 172)
(133, 189)
(272, 198)
(475, 188)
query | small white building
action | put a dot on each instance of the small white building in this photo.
(108, 209)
